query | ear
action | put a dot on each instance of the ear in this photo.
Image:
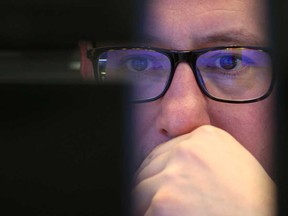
(86, 67)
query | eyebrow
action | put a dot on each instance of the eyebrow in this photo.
(233, 37)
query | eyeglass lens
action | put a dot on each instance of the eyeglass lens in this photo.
(229, 74)
(235, 74)
(147, 71)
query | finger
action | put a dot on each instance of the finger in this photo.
(143, 194)
(153, 168)
(148, 212)
(162, 148)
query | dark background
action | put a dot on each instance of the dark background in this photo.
(63, 141)
(51, 24)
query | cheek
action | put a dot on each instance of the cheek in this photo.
(252, 125)
(144, 128)
(143, 117)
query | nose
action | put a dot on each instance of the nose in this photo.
(184, 107)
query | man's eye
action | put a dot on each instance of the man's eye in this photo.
(230, 62)
(138, 64)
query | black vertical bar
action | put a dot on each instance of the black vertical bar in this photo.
(279, 36)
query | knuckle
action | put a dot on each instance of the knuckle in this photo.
(163, 201)
(185, 150)
(208, 130)
(190, 155)
(211, 131)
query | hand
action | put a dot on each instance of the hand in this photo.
(205, 172)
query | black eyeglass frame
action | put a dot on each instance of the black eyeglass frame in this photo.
(176, 57)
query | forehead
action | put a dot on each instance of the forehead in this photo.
(188, 23)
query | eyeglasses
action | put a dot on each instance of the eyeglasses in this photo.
(227, 74)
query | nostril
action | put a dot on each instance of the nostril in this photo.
(163, 132)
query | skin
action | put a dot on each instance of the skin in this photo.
(184, 177)
(199, 156)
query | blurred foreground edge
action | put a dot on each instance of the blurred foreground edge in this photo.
(63, 149)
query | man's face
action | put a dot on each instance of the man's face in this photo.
(196, 24)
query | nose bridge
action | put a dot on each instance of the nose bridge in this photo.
(187, 57)
(183, 56)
